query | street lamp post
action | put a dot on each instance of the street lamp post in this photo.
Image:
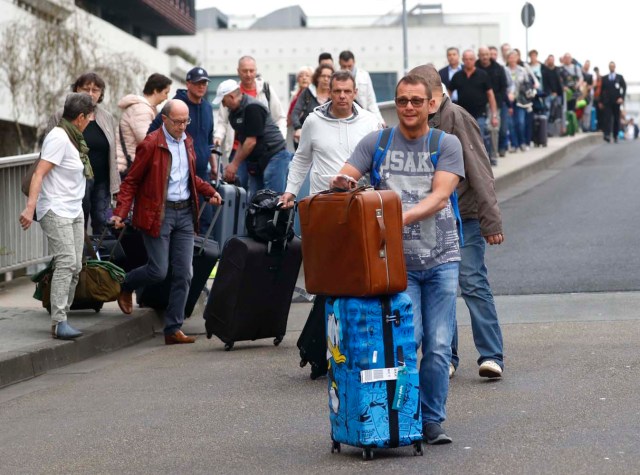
(405, 51)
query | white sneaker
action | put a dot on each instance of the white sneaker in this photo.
(490, 369)
(452, 370)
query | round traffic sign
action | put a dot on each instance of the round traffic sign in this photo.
(528, 14)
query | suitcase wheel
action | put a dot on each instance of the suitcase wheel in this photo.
(277, 340)
(49, 309)
(209, 335)
(97, 307)
(417, 448)
(367, 454)
(335, 447)
(303, 363)
(228, 346)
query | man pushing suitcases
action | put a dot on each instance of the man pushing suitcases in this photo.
(425, 182)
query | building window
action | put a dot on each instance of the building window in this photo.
(385, 85)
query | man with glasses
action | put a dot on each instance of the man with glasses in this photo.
(164, 184)
(431, 244)
(200, 128)
(481, 225)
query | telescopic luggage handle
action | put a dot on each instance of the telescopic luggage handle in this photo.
(213, 221)
(274, 223)
(215, 149)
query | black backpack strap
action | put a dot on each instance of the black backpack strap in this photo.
(124, 149)
(267, 93)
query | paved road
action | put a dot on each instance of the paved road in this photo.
(568, 404)
(575, 232)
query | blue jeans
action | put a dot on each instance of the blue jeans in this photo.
(274, 176)
(174, 244)
(484, 132)
(505, 120)
(528, 127)
(517, 127)
(433, 294)
(477, 294)
(242, 175)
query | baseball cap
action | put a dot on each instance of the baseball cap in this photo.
(197, 74)
(225, 88)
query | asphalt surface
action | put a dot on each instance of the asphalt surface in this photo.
(575, 232)
(567, 404)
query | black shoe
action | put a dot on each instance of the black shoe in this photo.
(615, 140)
(606, 138)
(433, 434)
(494, 162)
(502, 153)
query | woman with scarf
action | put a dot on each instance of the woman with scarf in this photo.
(100, 136)
(55, 197)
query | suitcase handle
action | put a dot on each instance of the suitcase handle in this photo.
(289, 224)
(89, 244)
(349, 195)
(383, 231)
(213, 220)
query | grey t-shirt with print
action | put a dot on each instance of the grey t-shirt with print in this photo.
(408, 170)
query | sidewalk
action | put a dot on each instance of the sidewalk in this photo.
(27, 349)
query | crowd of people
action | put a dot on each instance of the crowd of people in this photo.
(504, 93)
(161, 166)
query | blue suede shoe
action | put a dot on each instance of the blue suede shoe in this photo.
(64, 331)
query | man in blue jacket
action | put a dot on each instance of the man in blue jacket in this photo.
(200, 129)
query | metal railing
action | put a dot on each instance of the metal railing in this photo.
(18, 248)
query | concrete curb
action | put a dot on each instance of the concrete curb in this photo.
(103, 337)
(532, 168)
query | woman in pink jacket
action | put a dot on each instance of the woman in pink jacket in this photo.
(137, 114)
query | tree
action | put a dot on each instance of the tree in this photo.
(13, 69)
(41, 60)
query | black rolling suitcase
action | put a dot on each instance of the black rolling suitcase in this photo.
(540, 130)
(313, 339)
(251, 294)
(205, 255)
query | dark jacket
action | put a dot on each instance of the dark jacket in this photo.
(551, 81)
(476, 193)
(498, 80)
(611, 91)
(444, 76)
(200, 129)
(148, 180)
(307, 101)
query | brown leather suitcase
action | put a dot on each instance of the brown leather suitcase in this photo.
(352, 243)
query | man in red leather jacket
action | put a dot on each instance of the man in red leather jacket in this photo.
(164, 184)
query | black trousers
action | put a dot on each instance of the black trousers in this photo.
(611, 114)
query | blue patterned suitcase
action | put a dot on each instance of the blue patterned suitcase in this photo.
(372, 369)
